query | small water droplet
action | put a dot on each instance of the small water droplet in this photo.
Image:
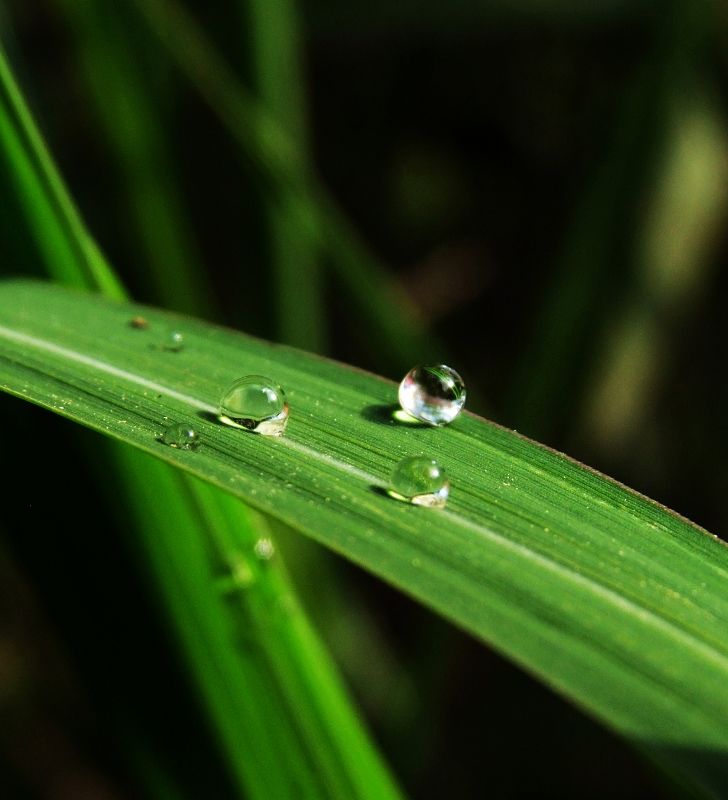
(434, 394)
(256, 404)
(140, 323)
(173, 342)
(264, 549)
(180, 436)
(421, 481)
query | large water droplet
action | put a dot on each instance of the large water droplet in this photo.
(181, 436)
(433, 394)
(421, 481)
(256, 404)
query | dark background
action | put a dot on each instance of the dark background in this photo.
(546, 182)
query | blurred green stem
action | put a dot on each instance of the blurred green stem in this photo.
(132, 124)
(600, 259)
(274, 40)
(285, 723)
(394, 329)
(58, 227)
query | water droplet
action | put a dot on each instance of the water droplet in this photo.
(264, 549)
(140, 323)
(255, 404)
(434, 394)
(180, 436)
(421, 481)
(173, 342)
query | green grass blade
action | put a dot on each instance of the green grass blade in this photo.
(312, 741)
(266, 147)
(68, 249)
(600, 262)
(273, 39)
(130, 116)
(677, 257)
(282, 719)
(613, 600)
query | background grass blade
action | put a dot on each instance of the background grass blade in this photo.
(131, 112)
(690, 200)
(600, 263)
(272, 35)
(393, 325)
(59, 229)
(285, 724)
(286, 727)
(131, 119)
(612, 599)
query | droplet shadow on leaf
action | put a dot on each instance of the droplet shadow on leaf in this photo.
(209, 416)
(391, 414)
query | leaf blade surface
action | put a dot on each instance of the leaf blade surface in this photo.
(610, 598)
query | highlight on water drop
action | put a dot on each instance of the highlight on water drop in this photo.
(256, 404)
(421, 481)
(180, 436)
(434, 394)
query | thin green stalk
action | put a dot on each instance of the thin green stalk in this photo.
(599, 262)
(285, 725)
(573, 307)
(677, 255)
(58, 227)
(130, 97)
(131, 119)
(120, 93)
(278, 160)
(282, 726)
(273, 37)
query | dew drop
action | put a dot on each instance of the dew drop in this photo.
(256, 404)
(173, 342)
(180, 436)
(434, 394)
(264, 549)
(421, 481)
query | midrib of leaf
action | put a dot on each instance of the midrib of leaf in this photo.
(301, 755)
(615, 601)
